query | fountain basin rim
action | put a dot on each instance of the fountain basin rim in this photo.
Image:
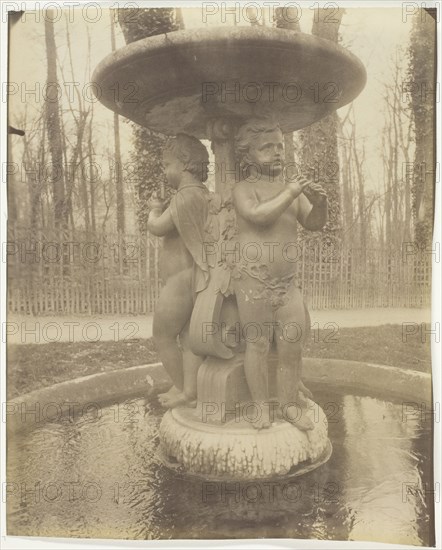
(164, 75)
(148, 380)
(215, 35)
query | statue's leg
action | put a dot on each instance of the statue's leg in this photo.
(256, 318)
(290, 330)
(306, 338)
(172, 313)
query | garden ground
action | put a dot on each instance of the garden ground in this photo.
(33, 366)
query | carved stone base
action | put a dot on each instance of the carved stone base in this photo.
(235, 450)
(221, 386)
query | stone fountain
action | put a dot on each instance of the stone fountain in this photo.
(209, 84)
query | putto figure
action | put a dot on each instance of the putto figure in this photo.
(183, 269)
(267, 293)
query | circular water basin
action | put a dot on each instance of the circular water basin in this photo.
(99, 474)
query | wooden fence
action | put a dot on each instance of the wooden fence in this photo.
(349, 278)
(109, 273)
(104, 273)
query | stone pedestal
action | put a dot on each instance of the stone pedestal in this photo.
(217, 439)
(221, 387)
(235, 450)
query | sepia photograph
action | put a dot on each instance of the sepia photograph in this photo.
(221, 273)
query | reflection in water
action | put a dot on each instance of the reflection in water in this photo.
(383, 465)
(99, 476)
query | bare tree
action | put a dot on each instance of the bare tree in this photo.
(118, 171)
(422, 91)
(90, 143)
(33, 179)
(53, 125)
(397, 142)
(348, 207)
(80, 118)
(357, 204)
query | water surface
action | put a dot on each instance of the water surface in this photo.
(97, 474)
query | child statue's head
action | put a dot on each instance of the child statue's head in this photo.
(185, 153)
(259, 141)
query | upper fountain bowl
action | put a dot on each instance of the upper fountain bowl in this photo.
(177, 82)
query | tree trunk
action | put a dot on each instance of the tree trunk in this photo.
(91, 179)
(53, 125)
(68, 181)
(422, 84)
(121, 219)
(92, 182)
(361, 199)
(12, 183)
(347, 202)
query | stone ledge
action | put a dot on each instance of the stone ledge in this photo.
(379, 380)
(148, 380)
(97, 389)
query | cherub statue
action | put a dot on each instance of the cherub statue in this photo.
(267, 294)
(183, 267)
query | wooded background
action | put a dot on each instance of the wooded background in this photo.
(373, 252)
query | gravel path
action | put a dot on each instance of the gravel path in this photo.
(42, 330)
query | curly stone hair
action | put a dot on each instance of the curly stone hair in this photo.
(247, 134)
(191, 152)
